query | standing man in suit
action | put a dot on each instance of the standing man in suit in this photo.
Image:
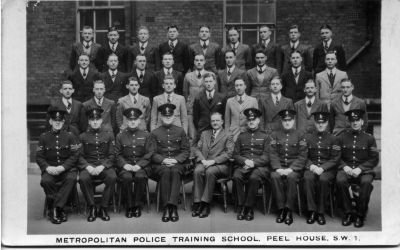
(133, 150)
(96, 162)
(180, 118)
(72, 118)
(210, 50)
(323, 158)
(168, 160)
(56, 155)
(133, 100)
(144, 75)
(114, 79)
(259, 77)
(288, 155)
(359, 158)
(86, 46)
(346, 102)
(108, 123)
(272, 105)
(235, 120)
(328, 81)
(251, 156)
(167, 70)
(178, 49)
(306, 106)
(295, 44)
(323, 47)
(271, 49)
(294, 80)
(226, 77)
(207, 102)
(242, 51)
(212, 152)
(144, 48)
(82, 78)
(114, 47)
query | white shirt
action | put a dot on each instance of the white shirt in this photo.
(171, 96)
(173, 42)
(235, 45)
(312, 99)
(333, 71)
(134, 96)
(349, 98)
(263, 68)
(294, 70)
(243, 97)
(216, 132)
(328, 43)
(65, 101)
(201, 72)
(138, 72)
(231, 69)
(266, 42)
(99, 102)
(206, 41)
(279, 95)
(111, 45)
(167, 70)
(86, 71)
(113, 72)
(295, 44)
(142, 45)
(208, 93)
(87, 43)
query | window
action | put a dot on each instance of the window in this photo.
(101, 15)
(248, 16)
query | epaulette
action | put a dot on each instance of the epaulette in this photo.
(367, 133)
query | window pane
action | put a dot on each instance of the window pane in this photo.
(101, 3)
(249, 37)
(114, 3)
(102, 17)
(233, 14)
(101, 37)
(118, 18)
(229, 2)
(249, 13)
(267, 13)
(86, 18)
(85, 3)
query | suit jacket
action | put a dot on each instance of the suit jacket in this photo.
(243, 56)
(304, 120)
(220, 150)
(180, 113)
(151, 53)
(123, 57)
(94, 56)
(117, 88)
(235, 120)
(339, 120)
(273, 51)
(192, 86)
(143, 103)
(73, 118)
(227, 87)
(147, 84)
(257, 89)
(159, 80)
(108, 115)
(290, 88)
(305, 51)
(83, 86)
(181, 55)
(212, 55)
(202, 109)
(328, 93)
(270, 120)
(319, 56)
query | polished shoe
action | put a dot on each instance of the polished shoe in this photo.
(102, 213)
(63, 215)
(289, 218)
(321, 219)
(359, 221)
(205, 211)
(129, 212)
(54, 217)
(197, 207)
(165, 217)
(92, 214)
(174, 214)
(347, 220)
(281, 216)
(137, 212)
(311, 218)
(250, 214)
(241, 214)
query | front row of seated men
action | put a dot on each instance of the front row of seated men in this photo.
(283, 157)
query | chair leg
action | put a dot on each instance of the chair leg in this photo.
(264, 199)
(45, 207)
(119, 193)
(114, 200)
(269, 202)
(184, 195)
(158, 197)
(224, 188)
(77, 200)
(148, 197)
(298, 198)
(331, 191)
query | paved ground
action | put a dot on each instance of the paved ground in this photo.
(150, 222)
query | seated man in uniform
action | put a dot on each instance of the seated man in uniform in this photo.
(212, 152)
(57, 153)
(133, 149)
(96, 163)
(323, 158)
(359, 158)
(288, 155)
(171, 152)
(251, 156)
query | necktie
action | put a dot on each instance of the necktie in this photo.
(260, 71)
(277, 101)
(209, 97)
(69, 106)
(346, 101)
(229, 72)
(142, 48)
(113, 47)
(141, 76)
(204, 46)
(98, 102)
(171, 46)
(331, 77)
(234, 49)
(293, 47)
(296, 72)
(84, 73)
(309, 104)
(213, 136)
(240, 100)
(199, 75)
(87, 46)
(113, 74)
(326, 46)
(169, 98)
(134, 99)
(168, 72)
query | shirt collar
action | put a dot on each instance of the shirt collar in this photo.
(97, 100)
(231, 68)
(65, 100)
(174, 42)
(201, 72)
(263, 68)
(235, 45)
(113, 72)
(143, 44)
(81, 70)
(328, 43)
(85, 43)
(295, 44)
(266, 42)
(349, 98)
(279, 95)
(206, 41)
(243, 97)
(138, 71)
(110, 44)
(333, 70)
(166, 70)
(166, 95)
(212, 92)
(298, 69)
(312, 99)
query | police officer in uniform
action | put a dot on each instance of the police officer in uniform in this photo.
(57, 154)
(322, 161)
(359, 158)
(251, 156)
(288, 155)
(171, 152)
(96, 163)
(134, 149)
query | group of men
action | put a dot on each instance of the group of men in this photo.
(287, 118)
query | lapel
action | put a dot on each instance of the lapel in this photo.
(301, 76)
(339, 104)
(79, 75)
(303, 107)
(353, 104)
(204, 99)
(325, 77)
(219, 137)
(79, 48)
(338, 76)
(253, 74)
(314, 106)
(235, 72)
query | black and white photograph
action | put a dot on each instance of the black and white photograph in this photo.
(200, 123)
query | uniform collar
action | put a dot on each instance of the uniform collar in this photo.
(132, 130)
